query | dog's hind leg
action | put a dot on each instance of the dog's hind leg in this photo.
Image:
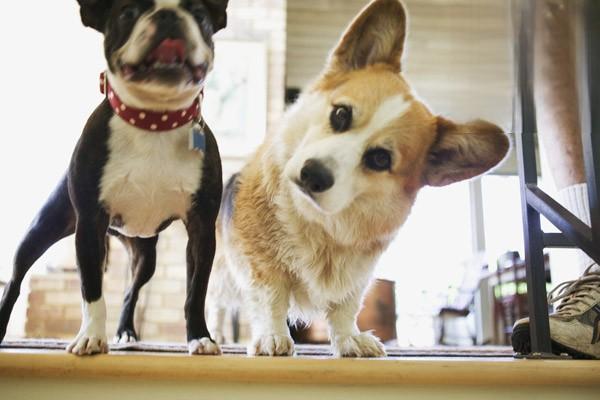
(216, 297)
(142, 253)
(55, 221)
(216, 321)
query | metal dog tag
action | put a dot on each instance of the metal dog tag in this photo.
(197, 137)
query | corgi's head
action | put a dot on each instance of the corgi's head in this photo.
(358, 141)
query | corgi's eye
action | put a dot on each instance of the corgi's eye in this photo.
(341, 118)
(378, 159)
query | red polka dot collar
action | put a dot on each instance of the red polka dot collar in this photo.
(145, 119)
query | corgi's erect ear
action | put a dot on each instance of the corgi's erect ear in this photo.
(463, 151)
(375, 36)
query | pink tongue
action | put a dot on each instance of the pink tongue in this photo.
(170, 51)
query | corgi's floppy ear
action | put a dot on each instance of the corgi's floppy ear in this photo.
(94, 13)
(463, 151)
(375, 36)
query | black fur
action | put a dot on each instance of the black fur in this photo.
(143, 265)
(216, 9)
(74, 206)
(94, 13)
(201, 246)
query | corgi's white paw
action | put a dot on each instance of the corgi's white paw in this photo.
(361, 345)
(203, 346)
(87, 344)
(271, 345)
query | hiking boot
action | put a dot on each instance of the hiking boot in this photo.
(575, 326)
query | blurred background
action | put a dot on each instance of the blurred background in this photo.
(453, 275)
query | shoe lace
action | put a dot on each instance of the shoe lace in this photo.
(577, 296)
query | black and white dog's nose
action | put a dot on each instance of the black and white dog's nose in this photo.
(166, 16)
(315, 177)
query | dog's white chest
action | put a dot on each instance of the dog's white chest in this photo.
(325, 278)
(150, 177)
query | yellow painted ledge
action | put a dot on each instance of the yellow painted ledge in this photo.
(300, 370)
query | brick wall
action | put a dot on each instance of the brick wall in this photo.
(54, 306)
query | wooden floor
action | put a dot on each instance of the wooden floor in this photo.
(311, 365)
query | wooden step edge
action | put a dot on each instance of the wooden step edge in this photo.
(411, 371)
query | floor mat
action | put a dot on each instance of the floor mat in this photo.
(301, 350)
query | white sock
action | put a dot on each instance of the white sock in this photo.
(575, 199)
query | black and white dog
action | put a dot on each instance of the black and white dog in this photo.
(145, 159)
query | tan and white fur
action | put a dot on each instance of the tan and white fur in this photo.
(285, 252)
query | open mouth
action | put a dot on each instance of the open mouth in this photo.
(168, 60)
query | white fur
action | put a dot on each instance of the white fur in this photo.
(269, 310)
(154, 96)
(346, 339)
(91, 338)
(149, 177)
(302, 297)
(215, 320)
(166, 3)
(342, 154)
(271, 345)
(220, 287)
(305, 296)
(201, 53)
(124, 339)
(203, 346)
(362, 344)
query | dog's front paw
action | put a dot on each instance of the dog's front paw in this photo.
(272, 345)
(361, 345)
(204, 346)
(86, 344)
(125, 336)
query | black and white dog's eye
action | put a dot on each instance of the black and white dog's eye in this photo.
(129, 13)
(198, 11)
(341, 118)
(378, 159)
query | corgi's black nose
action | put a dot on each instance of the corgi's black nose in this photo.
(315, 177)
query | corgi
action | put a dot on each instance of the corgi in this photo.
(302, 225)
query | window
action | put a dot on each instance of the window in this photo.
(502, 216)
(52, 90)
(426, 259)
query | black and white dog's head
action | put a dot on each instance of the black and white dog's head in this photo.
(158, 51)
